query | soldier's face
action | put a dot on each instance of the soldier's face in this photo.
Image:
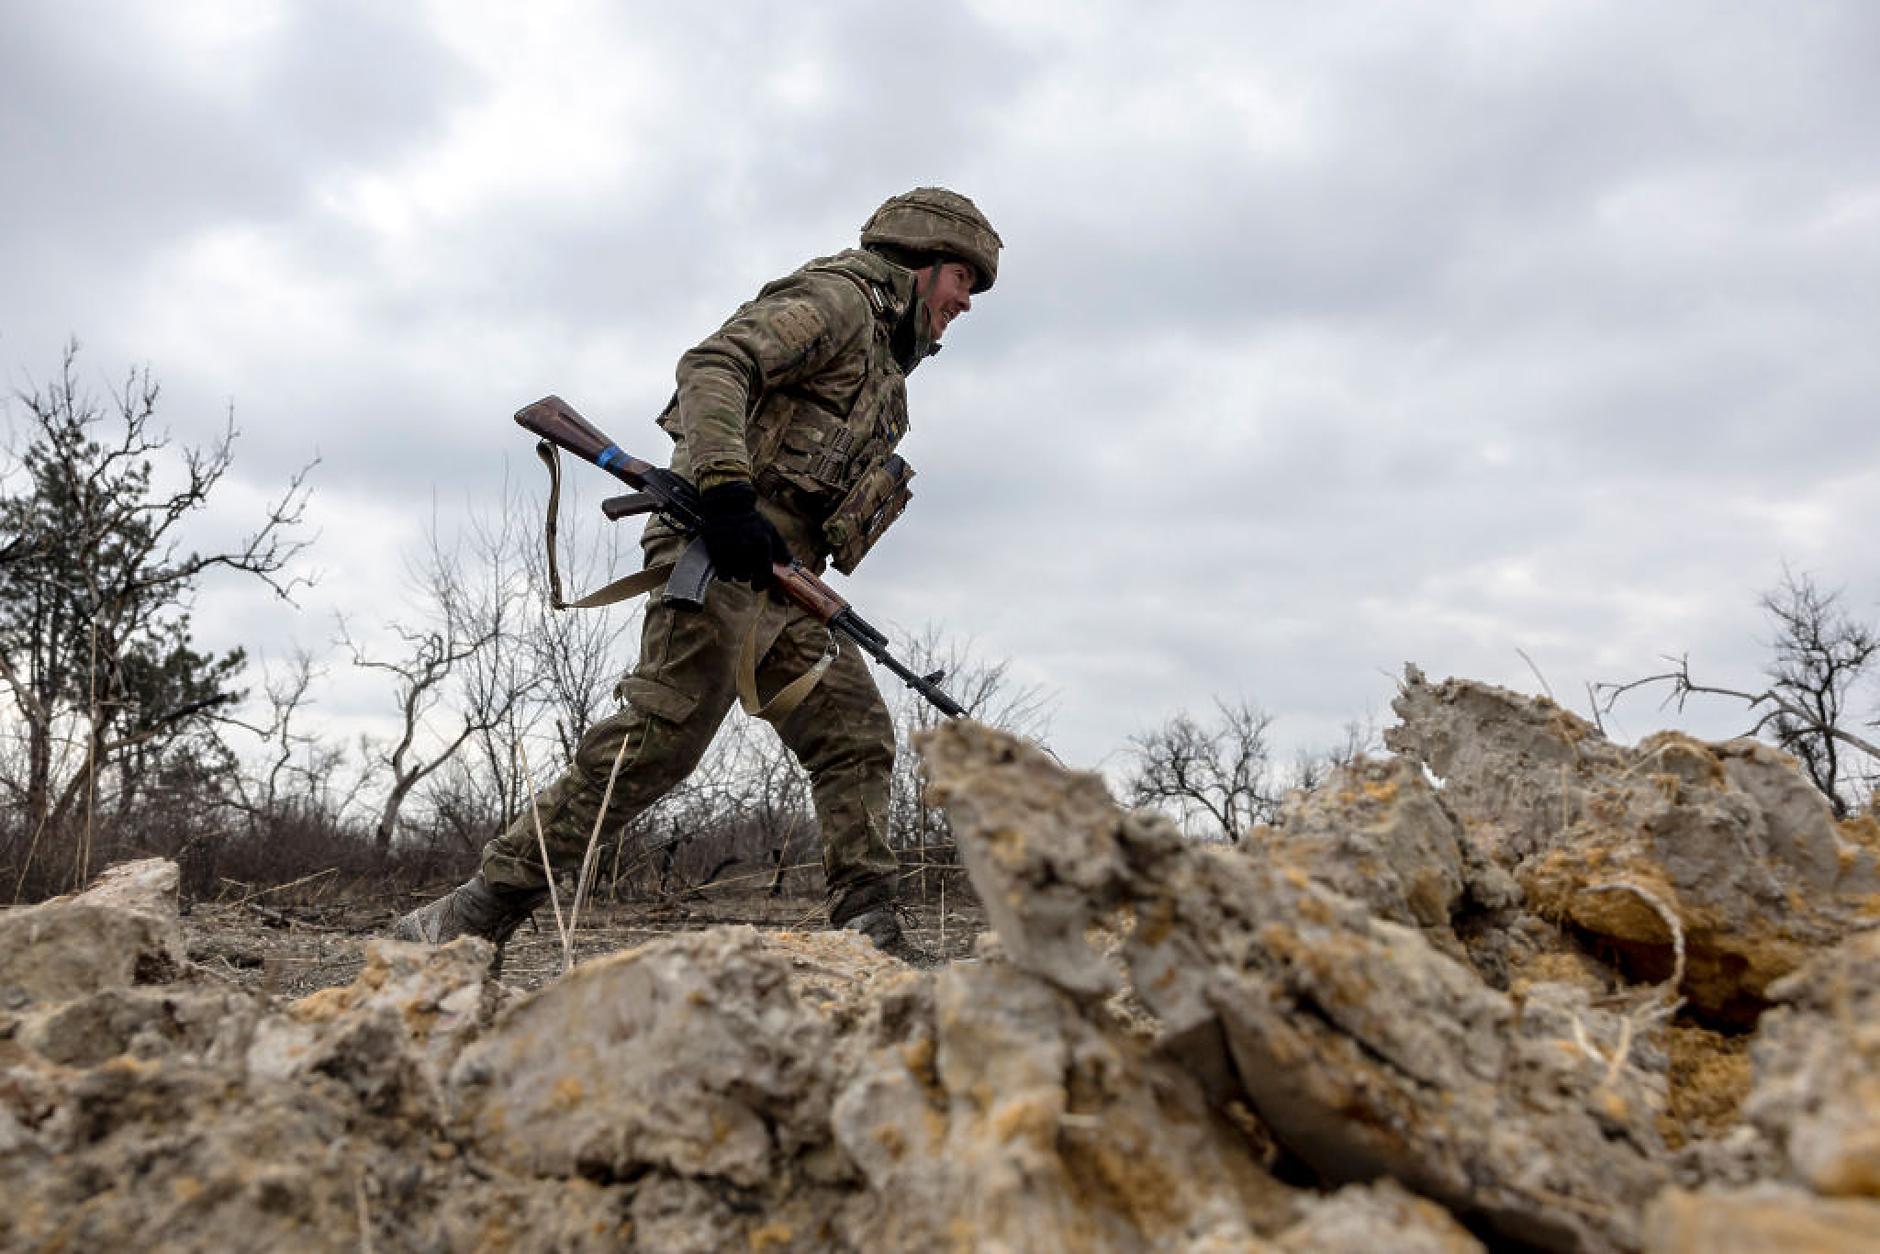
(949, 294)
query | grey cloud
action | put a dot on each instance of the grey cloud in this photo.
(1439, 167)
(1520, 341)
(731, 168)
(350, 82)
(114, 148)
(124, 153)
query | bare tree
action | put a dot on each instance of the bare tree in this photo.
(990, 695)
(540, 677)
(96, 650)
(450, 664)
(293, 767)
(1359, 738)
(1217, 779)
(1819, 657)
(509, 688)
(547, 674)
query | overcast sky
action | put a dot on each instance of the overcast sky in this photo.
(1327, 337)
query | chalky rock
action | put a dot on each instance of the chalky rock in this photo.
(1008, 1114)
(1367, 1218)
(1729, 839)
(1416, 1014)
(1816, 1064)
(1365, 1050)
(206, 1021)
(125, 1118)
(692, 1055)
(123, 930)
(1377, 832)
(391, 1034)
(1764, 1219)
(1039, 870)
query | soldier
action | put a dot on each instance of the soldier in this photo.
(786, 420)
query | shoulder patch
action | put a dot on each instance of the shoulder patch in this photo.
(797, 325)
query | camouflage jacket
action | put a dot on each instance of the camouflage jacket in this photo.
(802, 392)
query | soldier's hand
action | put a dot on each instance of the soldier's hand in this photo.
(742, 542)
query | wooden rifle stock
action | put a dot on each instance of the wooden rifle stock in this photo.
(556, 421)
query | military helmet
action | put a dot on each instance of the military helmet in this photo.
(935, 220)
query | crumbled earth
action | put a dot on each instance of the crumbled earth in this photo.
(1514, 988)
(291, 951)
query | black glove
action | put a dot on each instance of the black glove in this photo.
(742, 542)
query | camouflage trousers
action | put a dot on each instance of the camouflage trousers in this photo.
(672, 704)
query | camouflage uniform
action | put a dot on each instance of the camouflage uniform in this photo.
(816, 349)
(801, 394)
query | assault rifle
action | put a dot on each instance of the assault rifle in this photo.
(662, 492)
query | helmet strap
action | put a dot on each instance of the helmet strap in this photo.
(923, 316)
(913, 340)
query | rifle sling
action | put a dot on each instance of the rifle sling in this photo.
(791, 695)
(778, 708)
(623, 589)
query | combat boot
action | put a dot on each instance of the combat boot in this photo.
(882, 926)
(473, 908)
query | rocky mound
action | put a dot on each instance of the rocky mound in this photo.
(1516, 988)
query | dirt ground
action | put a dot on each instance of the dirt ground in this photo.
(291, 951)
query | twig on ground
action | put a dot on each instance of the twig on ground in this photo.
(1668, 990)
(727, 881)
(281, 919)
(1663, 1001)
(263, 892)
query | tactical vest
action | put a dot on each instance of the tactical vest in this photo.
(828, 460)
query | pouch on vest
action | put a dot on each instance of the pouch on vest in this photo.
(804, 445)
(858, 520)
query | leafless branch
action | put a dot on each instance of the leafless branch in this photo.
(1819, 655)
